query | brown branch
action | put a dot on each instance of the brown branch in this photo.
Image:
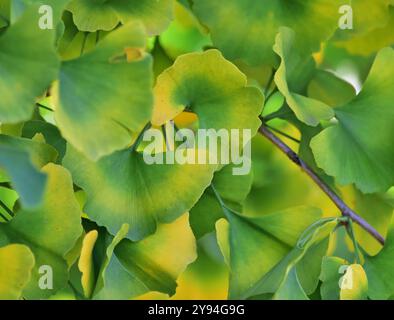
(342, 206)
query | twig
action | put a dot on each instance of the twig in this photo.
(341, 205)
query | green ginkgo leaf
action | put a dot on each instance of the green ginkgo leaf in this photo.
(216, 91)
(134, 268)
(16, 263)
(93, 15)
(379, 270)
(290, 288)
(232, 189)
(358, 149)
(50, 231)
(297, 274)
(50, 132)
(184, 35)
(122, 188)
(333, 269)
(289, 82)
(105, 95)
(25, 44)
(21, 160)
(325, 86)
(255, 245)
(246, 29)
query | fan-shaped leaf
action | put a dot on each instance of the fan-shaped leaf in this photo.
(359, 148)
(103, 97)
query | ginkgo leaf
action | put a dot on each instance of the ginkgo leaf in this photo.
(379, 270)
(102, 97)
(184, 35)
(255, 245)
(333, 269)
(246, 29)
(16, 263)
(287, 79)
(50, 132)
(21, 160)
(232, 189)
(297, 274)
(358, 148)
(325, 86)
(106, 15)
(216, 91)
(25, 44)
(134, 268)
(50, 231)
(136, 193)
(290, 288)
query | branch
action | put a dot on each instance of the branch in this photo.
(342, 206)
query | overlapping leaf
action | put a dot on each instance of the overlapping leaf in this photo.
(129, 269)
(21, 160)
(358, 149)
(104, 96)
(289, 80)
(232, 189)
(122, 188)
(253, 246)
(216, 91)
(107, 14)
(25, 44)
(16, 262)
(50, 231)
(246, 29)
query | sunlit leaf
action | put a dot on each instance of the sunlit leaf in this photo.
(216, 85)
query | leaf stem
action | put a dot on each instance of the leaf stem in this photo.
(218, 197)
(43, 107)
(283, 134)
(139, 138)
(340, 204)
(85, 37)
(268, 85)
(350, 231)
